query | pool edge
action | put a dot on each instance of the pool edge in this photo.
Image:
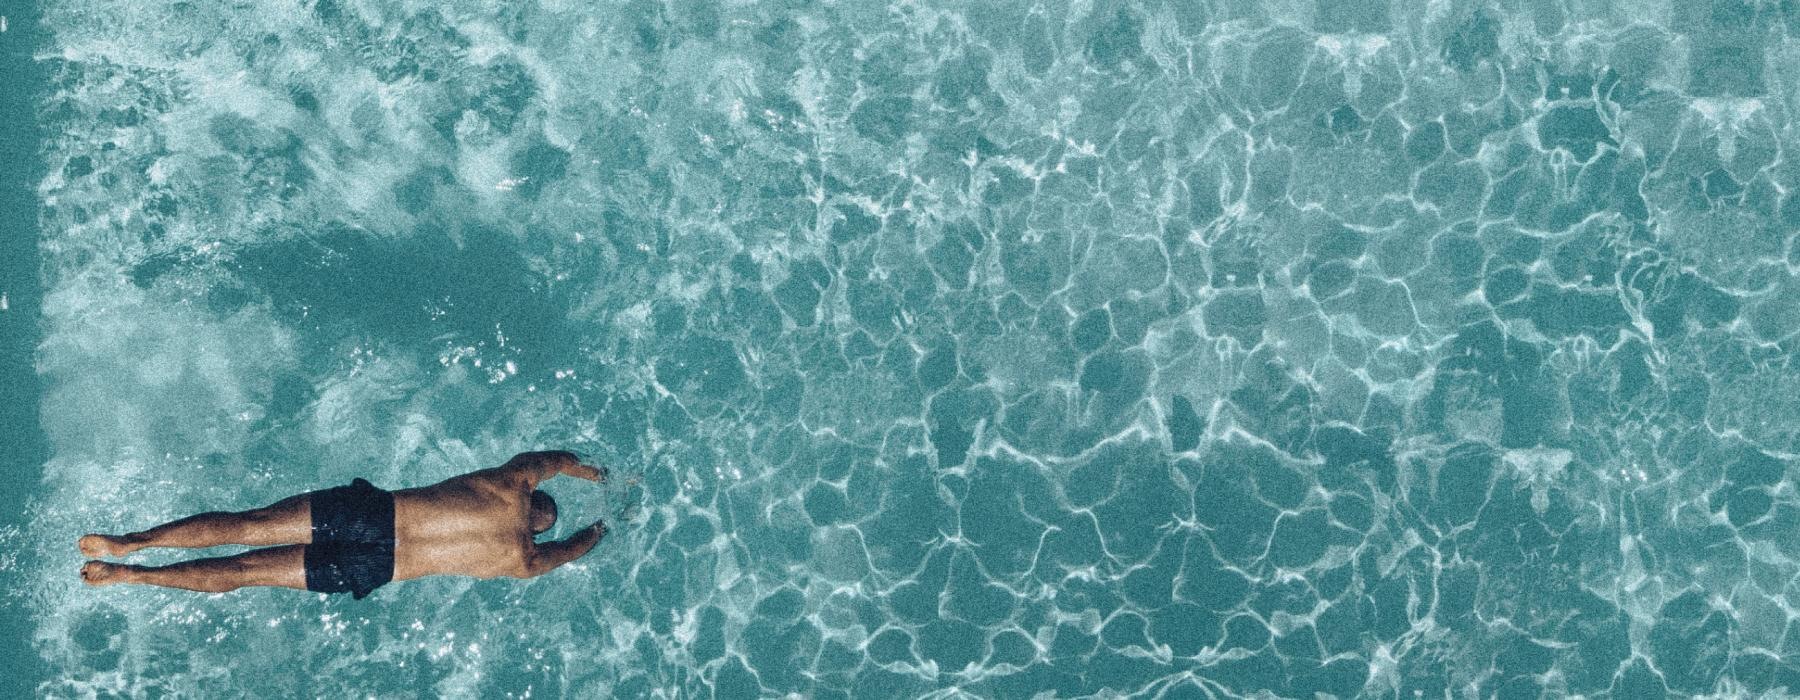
(23, 451)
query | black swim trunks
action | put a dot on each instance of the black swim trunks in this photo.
(352, 546)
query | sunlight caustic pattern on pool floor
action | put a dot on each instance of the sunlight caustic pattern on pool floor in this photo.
(1184, 349)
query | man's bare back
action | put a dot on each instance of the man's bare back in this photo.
(481, 524)
(478, 524)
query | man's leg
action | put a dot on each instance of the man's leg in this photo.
(288, 521)
(270, 566)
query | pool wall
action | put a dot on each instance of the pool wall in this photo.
(22, 448)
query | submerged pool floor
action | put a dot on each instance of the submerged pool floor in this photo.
(1164, 349)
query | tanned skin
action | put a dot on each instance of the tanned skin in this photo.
(480, 524)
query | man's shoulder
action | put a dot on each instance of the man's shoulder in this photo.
(482, 484)
(495, 482)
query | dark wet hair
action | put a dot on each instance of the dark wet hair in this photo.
(541, 501)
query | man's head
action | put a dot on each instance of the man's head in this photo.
(543, 512)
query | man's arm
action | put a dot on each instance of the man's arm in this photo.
(535, 467)
(550, 555)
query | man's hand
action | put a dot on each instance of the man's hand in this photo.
(554, 554)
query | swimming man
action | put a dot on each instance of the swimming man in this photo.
(358, 537)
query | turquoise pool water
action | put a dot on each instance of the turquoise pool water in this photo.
(1163, 349)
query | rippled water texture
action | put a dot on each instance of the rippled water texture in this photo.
(1184, 349)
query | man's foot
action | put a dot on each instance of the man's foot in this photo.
(97, 546)
(99, 573)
